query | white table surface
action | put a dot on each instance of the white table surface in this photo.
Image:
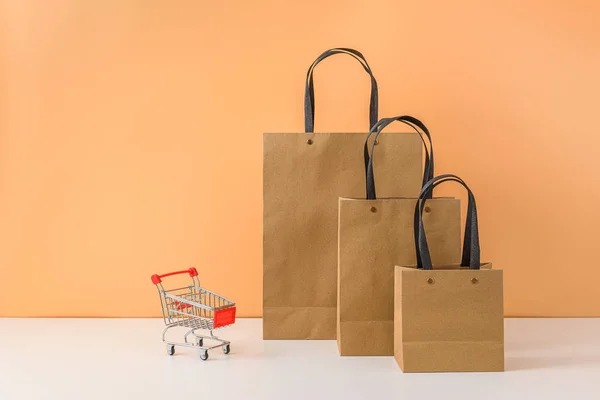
(124, 359)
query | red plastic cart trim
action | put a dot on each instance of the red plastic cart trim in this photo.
(181, 306)
(225, 316)
(156, 279)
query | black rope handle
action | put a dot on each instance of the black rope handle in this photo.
(377, 129)
(467, 238)
(471, 249)
(309, 93)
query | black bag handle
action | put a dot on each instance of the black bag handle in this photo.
(471, 250)
(377, 129)
(309, 93)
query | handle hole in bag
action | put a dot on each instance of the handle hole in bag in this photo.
(427, 209)
(373, 209)
(474, 281)
(431, 281)
(309, 141)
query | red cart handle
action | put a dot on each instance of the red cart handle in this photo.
(156, 279)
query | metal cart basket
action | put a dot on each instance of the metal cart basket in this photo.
(195, 308)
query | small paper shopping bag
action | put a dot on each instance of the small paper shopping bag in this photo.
(448, 318)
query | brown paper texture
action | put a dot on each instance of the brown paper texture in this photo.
(449, 320)
(373, 237)
(301, 186)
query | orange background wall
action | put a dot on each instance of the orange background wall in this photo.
(131, 136)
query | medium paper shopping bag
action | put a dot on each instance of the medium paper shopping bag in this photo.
(304, 174)
(374, 235)
(448, 318)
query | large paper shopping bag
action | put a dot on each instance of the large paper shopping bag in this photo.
(448, 318)
(304, 174)
(374, 235)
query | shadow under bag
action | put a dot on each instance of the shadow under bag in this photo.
(449, 318)
(304, 174)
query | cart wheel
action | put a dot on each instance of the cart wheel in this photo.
(170, 349)
(199, 342)
(226, 349)
(204, 355)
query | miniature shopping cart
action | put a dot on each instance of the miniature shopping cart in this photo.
(195, 308)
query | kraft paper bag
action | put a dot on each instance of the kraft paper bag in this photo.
(304, 174)
(374, 235)
(449, 318)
